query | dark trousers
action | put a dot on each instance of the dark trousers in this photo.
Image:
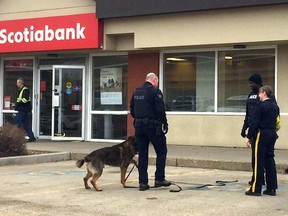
(144, 135)
(253, 160)
(23, 119)
(264, 159)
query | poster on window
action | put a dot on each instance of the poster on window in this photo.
(111, 86)
(7, 100)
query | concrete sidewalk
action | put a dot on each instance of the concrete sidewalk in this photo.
(178, 155)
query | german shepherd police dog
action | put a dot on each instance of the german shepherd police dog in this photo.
(120, 155)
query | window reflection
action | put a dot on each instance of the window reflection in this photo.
(189, 81)
(234, 70)
(109, 126)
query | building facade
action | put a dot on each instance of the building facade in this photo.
(82, 78)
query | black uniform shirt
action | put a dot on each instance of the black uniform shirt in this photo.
(147, 102)
(263, 117)
(251, 102)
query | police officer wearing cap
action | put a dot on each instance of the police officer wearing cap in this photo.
(150, 122)
(255, 81)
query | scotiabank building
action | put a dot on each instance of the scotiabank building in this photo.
(82, 60)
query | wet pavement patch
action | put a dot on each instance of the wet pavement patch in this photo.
(54, 173)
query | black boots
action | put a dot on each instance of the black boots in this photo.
(270, 192)
(163, 183)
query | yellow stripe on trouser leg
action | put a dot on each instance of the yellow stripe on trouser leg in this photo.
(256, 162)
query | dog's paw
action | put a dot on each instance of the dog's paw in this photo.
(98, 189)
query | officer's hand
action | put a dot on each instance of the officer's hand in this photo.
(243, 133)
(248, 143)
(12, 105)
(165, 128)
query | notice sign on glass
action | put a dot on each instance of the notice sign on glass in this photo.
(111, 86)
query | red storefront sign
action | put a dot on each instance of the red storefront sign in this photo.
(79, 31)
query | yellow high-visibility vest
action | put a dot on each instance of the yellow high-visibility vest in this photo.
(24, 100)
(278, 125)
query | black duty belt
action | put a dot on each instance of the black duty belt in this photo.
(267, 128)
(146, 120)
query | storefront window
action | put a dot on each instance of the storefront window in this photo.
(109, 83)
(14, 69)
(189, 80)
(109, 93)
(109, 126)
(234, 70)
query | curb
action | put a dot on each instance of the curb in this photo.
(215, 164)
(199, 163)
(34, 159)
(204, 164)
(171, 161)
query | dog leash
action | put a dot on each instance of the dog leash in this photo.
(179, 188)
(192, 186)
(126, 186)
(129, 173)
(226, 182)
(195, 186)
(172, 183)
(151, 187)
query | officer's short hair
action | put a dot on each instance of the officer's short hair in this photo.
(150, 76)
(20, 79)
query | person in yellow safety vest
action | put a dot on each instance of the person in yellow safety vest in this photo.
(23, 106)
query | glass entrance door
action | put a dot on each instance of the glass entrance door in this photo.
(44, 101)
(67, 103)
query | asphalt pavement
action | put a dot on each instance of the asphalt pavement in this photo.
(49, 189)
(237, 159)
(47, 182)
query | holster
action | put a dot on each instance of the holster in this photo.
(158, 126)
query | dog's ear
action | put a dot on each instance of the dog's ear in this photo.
(131, 138)
(132, 143)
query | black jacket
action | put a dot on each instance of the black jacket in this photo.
(251, 102)
(263, 117)
(147, 102)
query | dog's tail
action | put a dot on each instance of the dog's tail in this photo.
(80, 163)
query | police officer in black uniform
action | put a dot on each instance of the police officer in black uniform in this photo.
(263, 127)
(253, 98)
(150, 122)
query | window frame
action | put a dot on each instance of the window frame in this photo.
(90, 101)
